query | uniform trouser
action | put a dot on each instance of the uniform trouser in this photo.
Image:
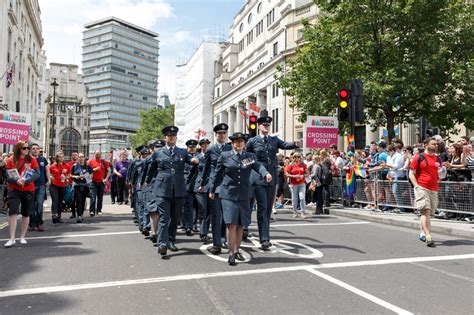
(168, 224)
(140, 208)
(97, 194)
(204, 206)
(147, 192)
(188, 211)
(218, 227)
(57, 198)
(36, 213)
(264, 196)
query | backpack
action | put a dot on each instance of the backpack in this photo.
(326, 175)
(421, 157)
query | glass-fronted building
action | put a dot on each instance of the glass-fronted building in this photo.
(120, 71)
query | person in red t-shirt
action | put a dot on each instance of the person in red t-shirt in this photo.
(424, 176)
(59, 175)
(22, 170)
(100, 175)
(296, 171)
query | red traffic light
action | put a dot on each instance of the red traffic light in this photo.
(253, 119)
(343, 93)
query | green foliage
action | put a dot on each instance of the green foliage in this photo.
(151, 123)
(418, 51)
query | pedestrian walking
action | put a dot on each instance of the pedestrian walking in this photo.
(59, 173)
(233, 177)
(100, 176)
(36, 213)
(424, 177)
(22, 170)
(296, 172)
(81, 174)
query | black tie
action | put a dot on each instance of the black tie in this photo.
(171, 150)
(265, 139)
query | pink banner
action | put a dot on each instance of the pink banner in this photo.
(320, 138)
(12, 133)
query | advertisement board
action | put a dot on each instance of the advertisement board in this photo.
(14, 127)
(321, 132)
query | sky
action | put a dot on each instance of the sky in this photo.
(181, 24)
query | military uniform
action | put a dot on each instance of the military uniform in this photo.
(210, 163)
(137, 188)
(202, 196)
(266, 149)
(190, 172)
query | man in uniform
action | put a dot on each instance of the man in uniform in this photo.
(146, 190)
(190, 172)
(169, 188)
(201, 193)
(265, 148)
(210, 163)
(136, 184)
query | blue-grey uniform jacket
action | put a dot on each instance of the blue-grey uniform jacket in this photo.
(199, 178)
(266, 154)
(191, 172)
(232, 175)
(169, 170)
(146, 165)
(210, 162)
(137, 172)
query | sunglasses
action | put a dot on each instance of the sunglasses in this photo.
(25, 148)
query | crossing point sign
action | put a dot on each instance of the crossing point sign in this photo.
(321, 132)
(14, 127)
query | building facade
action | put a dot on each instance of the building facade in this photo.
(120, 69)
(21, 40)
(260, 36)
(68, 111)
(194, 93)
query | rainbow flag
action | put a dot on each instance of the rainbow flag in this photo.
(350, 187)
(350, 141)
(360, 171)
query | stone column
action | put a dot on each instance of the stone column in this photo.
(231, 122)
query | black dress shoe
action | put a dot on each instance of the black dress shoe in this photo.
(265, 245)
(204, 239)
(239, 256)
(58, 220)
(146, 232)
(91, 213)
(231, 260)
(214, 250)
(245, 235)
(189, 232)
(162, 250)
(154, 238)
(172, 247)
(225, 246)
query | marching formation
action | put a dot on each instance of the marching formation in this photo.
(206, 187)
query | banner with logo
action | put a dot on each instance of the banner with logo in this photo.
(14, 127)
(321, 132)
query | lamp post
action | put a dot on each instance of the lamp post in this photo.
(54, 84)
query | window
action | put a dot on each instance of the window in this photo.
(249, 19)
(78, 121)
(250, 37)
(275, 90)
(299, 34)
(61, 121)
(241, 27)
(218, 93)
(241, 45)
(259, 7)
(270, 17)
(145, 98)
(40, 102)
(275, 120)
(259, 28)
(275, 49)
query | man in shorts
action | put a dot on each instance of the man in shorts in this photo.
(424, 177)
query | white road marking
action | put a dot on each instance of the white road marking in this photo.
(76, 235)
(318, 224)
(218, 303)
(361, 293)
(74, 287)
(446, 273)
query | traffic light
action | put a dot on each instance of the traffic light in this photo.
(357, 98)
(253, 125)
(343, 109)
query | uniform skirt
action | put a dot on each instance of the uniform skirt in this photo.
(236, 212)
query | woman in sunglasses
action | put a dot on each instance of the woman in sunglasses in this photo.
(22, 170)
(59, 174)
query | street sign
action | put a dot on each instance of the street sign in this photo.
(321, 132)
(14, 127)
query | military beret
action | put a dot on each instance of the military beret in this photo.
(264, 120)
(170, 131)
(204, 140)
(237, 135)
(222, 127)
(191, 143)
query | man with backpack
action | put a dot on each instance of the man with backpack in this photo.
(424, 177)
(100, 175)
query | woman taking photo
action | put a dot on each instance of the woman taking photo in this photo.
(81, 176)
(233, 179)
(22, 170)
(296, 172)
(59, 173)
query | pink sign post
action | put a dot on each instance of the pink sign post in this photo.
(321, 132)
(14, 127)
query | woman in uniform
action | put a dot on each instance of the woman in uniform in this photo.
(233, 176)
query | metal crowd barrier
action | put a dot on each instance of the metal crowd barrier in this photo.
(457, 197)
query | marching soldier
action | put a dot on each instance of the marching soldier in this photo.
(265, 148)
(232, 176)
(218, 230)
(190, 171)
(136, 184)
(202, 192)
(169, 188)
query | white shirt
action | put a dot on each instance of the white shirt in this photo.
(397, 163)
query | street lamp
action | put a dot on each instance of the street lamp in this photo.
(54, 84)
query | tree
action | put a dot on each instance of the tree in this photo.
(151, 123)
(415, 59)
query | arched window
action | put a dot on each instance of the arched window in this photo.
(70, 141)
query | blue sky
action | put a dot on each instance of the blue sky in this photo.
(182, 24)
